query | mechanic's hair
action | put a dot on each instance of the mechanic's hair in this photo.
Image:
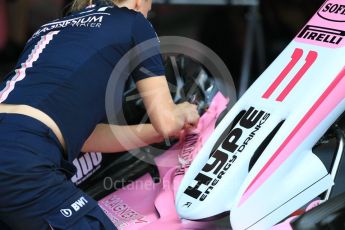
(81, 4)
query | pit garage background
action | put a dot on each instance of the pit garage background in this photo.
(247, 35)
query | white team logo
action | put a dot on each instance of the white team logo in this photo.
(77, 205)
(81, 202)
(66, 212)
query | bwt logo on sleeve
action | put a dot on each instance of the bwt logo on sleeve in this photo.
(66, 212)
(76, 206)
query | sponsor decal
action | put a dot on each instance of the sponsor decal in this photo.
(226, 154)
(86, 165)
(92, 20)
(66, 212)
(76, 206)
(186, 157)
(120, 213)
(332, 11)
(81, 202)
(322, 34)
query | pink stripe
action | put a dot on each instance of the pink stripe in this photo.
(333, 95)
(35, 50)
(310, 59)
(21, 73)
(297, 54)
(8, 84)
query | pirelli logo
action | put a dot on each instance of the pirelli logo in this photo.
(322, 34)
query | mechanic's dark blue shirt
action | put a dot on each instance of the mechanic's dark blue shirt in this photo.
(65, 67)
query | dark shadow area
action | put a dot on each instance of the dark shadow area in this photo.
(222, 28)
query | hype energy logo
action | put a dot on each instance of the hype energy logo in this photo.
(333, 11)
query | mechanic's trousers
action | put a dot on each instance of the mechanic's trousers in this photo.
(35, 189)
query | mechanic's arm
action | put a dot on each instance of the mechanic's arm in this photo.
(166, 117)
(112, 138)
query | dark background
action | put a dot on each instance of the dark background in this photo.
(222, 28)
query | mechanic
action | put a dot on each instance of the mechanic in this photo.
(52, 104)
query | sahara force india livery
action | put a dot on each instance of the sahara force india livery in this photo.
(264, 169)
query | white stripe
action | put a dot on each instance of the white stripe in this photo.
(86, 12)
(102, 9)
(21, 72)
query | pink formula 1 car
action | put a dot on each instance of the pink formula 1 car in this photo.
(259, 162)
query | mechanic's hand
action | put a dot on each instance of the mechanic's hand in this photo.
(187, 116)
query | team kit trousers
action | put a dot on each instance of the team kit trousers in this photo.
(35, 187)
